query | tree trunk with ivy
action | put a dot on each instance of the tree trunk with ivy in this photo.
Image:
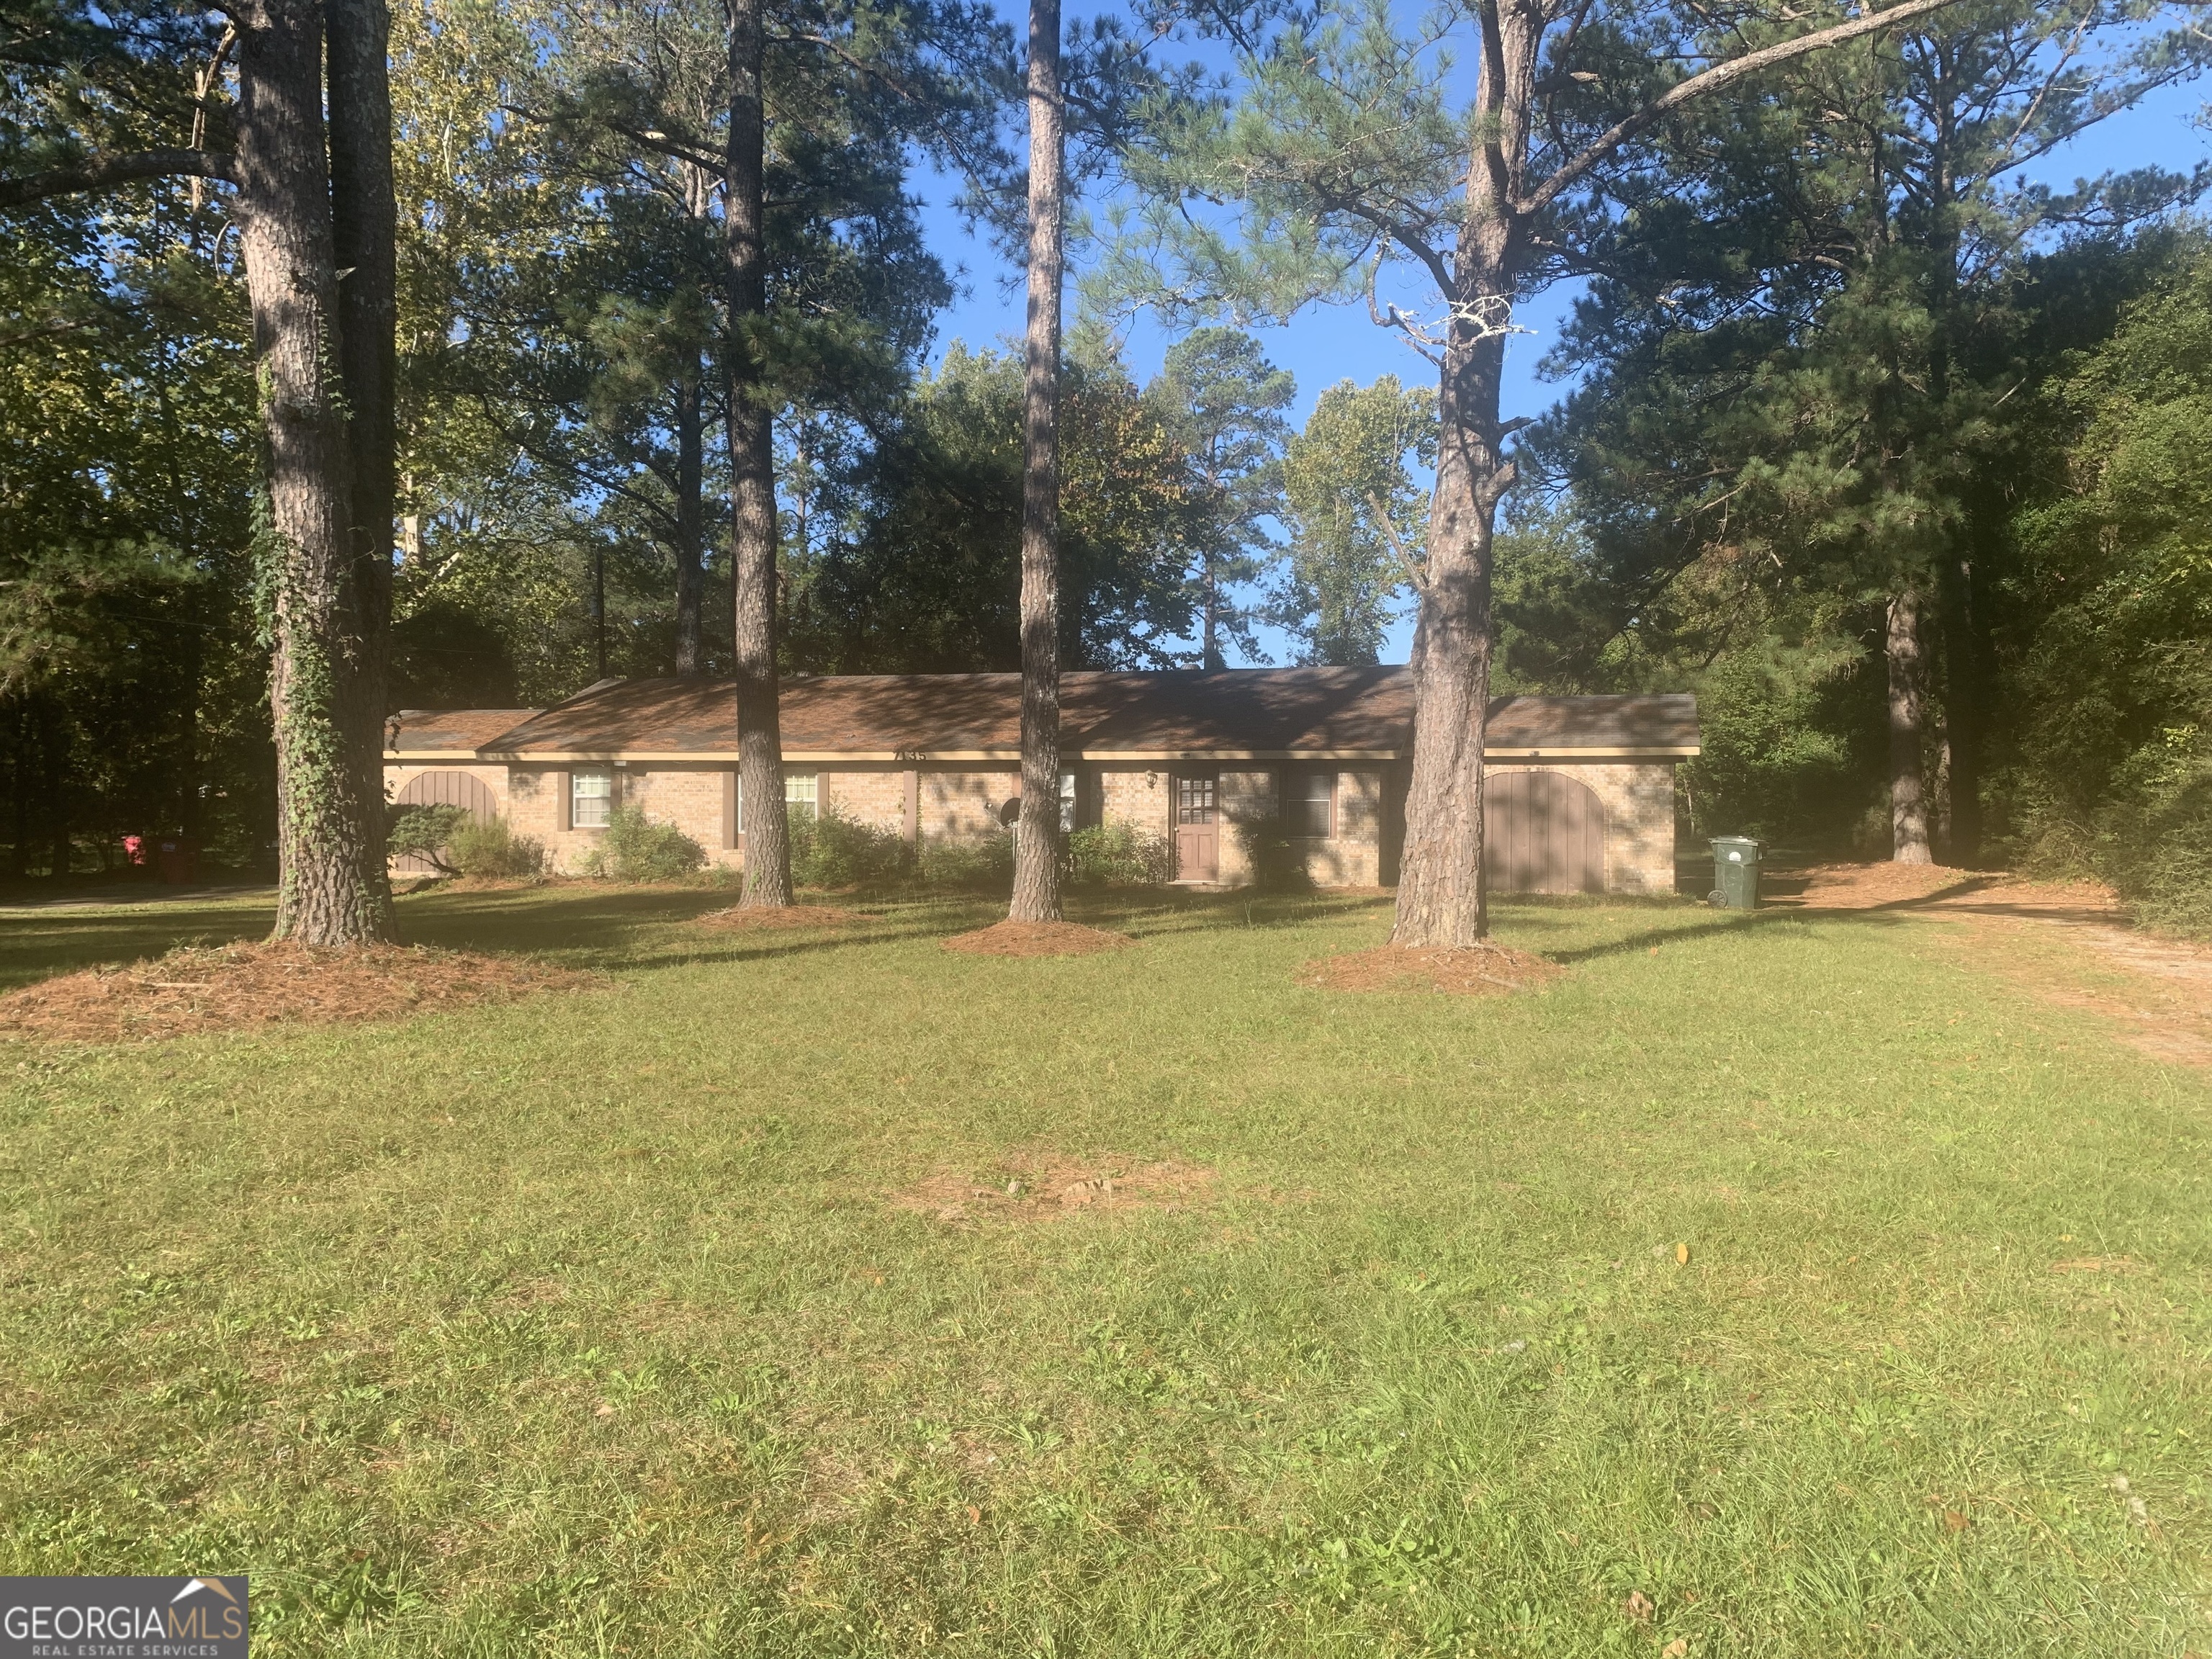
(752, 471)
(1036, 831)
(317, 224)
(326, 542)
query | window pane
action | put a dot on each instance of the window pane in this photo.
(1193, 801)
(1309, 807)
(1066, 803)
(799, 794)
(591, 796)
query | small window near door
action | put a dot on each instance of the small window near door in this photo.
(591, 799)
(799, 795)
(1068, 804)
(1311, 807)
(1193, 801)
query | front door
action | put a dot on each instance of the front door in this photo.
(1197, 829)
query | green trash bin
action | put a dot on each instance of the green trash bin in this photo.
(1735, 872)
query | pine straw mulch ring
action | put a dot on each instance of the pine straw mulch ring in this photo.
(1471, 971)
(233, 988)
(1036, 938)
(1045, 1187)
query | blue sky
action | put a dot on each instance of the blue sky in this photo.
(1326, 344)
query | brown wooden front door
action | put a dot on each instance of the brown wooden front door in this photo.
(1197, 829)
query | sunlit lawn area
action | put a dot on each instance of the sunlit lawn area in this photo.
(588, 1325)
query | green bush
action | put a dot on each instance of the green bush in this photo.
(986, 866)
(1278, 864)
(834, 851)
(423, 832)
(1119, 855)
(636, 848)
(486, 847)
(2151, 837)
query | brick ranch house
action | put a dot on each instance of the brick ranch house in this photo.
(1581, 792)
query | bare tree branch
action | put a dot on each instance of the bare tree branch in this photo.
(1712, 80)
(1414, 573)
(111, 171)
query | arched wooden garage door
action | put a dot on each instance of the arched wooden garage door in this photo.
(444, 789)
(1542, 833)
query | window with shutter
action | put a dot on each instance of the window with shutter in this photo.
(591, 799)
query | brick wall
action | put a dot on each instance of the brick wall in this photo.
(688, 797)
(1139, 798)
(1242, 796)
(1638, 801)
(876, 798)
(692, 797)
(1354, 856)
(964, 806)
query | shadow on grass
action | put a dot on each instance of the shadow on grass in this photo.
(627, 929)
(61, 941)
(1730, 921)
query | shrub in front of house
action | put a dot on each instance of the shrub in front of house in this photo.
(423, 832)
(1119, 855)
(487, 847)
(1277, 863)
(836, 851)
(636, 848)
(985, 866)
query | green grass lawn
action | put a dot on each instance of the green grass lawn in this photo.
(584, 1326)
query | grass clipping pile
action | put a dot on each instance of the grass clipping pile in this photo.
(235, 987)
(1470, 970)
(1037, 939)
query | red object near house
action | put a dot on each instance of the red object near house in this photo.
(134, 849)
(180, 859)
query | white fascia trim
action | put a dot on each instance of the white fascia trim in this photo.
(1000, 757)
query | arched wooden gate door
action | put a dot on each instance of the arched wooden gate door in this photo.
(1542, 833)
(443, 789)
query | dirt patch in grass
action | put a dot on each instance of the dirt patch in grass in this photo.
(1857, 886)
(2156, 991)
(1473, 971)
(1037, 939)
(245, 987)
(1046, 1186)
(772, 918)
(1936, 887)
(2099, 1264)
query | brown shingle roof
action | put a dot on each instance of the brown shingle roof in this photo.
(1258, 712)
(424, 730)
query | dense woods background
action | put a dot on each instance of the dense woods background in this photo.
(1836, 365)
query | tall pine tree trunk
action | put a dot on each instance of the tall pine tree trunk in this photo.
(691, 466)
(327, 600)
(1908, 709)
(1213, 655)
(1963, 690)
(690, 522)
(752, 473)
(1037, 832)
(1441, 903)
